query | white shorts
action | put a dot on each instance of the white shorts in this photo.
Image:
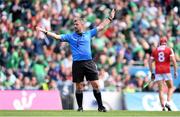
(166, 76)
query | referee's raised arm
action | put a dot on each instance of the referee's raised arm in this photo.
(106, 21)
(51, 34)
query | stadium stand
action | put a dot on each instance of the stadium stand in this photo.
(27, 62)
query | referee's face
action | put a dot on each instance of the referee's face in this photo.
(78, 25)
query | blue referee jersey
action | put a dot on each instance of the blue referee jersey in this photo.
(80, 44)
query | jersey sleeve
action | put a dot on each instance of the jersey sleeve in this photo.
(65, 37)
(93, 32)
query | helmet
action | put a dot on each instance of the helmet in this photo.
(163, 40)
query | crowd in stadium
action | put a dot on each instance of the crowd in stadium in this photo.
(27, 62)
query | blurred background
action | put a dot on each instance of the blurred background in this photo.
(29, 65)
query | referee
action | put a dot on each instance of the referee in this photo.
(83, 65)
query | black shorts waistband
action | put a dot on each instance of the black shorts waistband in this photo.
(81, 61)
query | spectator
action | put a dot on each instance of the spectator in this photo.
(4, 56)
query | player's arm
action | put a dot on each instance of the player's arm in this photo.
(174, 63)
(51, 34)
(106, 21)
(151, 60)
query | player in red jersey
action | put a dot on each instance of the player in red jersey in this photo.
(162, 55)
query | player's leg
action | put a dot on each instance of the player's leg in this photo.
(97, 95)
(169, 83)
(79, 95)
(91, 74)
(170, 89)
(161, 94)
(78, 78)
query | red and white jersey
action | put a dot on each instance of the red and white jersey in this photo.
(161, 56)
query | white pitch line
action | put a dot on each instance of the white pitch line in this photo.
(86, 116)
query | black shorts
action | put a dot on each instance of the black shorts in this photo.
(85, 68)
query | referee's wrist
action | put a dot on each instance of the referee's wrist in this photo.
(46, 32)
(110, 19)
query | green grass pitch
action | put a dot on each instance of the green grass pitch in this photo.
(73, 113)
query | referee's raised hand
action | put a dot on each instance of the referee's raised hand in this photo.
(41, 29)
(51, 34)
(106, 21)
